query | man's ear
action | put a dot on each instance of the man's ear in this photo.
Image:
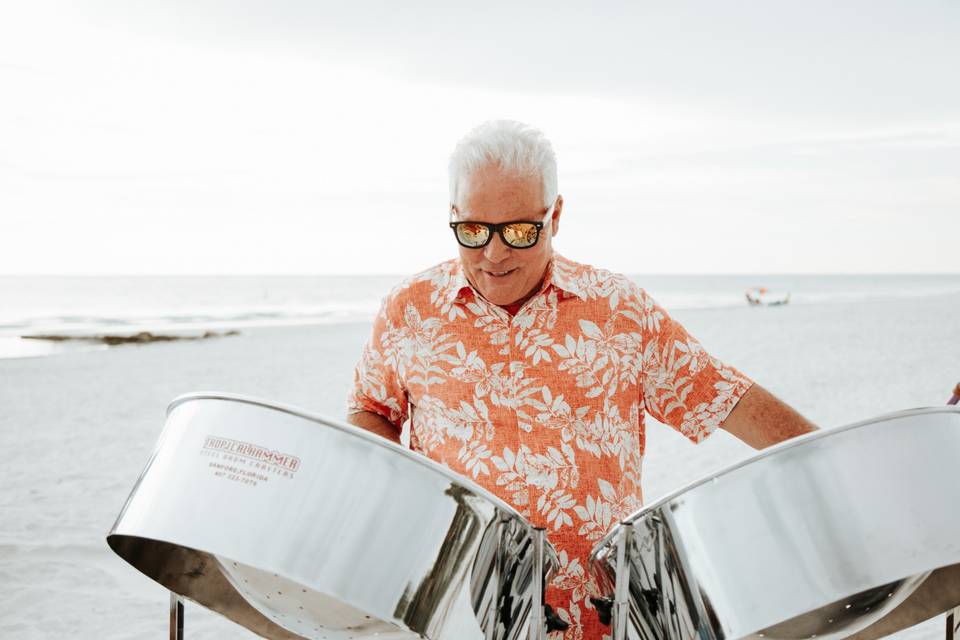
(557, 208)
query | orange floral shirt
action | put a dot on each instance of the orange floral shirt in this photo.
(544, 408)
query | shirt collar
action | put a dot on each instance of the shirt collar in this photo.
(559, 275)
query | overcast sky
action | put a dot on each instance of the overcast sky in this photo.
(312, 137)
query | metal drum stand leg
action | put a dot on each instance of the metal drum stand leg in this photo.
(621, 595)
(538, 625)
(953, 624)
(176, 617)
(953, 618)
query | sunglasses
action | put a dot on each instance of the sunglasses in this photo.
(519, 234)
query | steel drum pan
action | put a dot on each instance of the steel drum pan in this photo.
(848, 533)
(297, 526)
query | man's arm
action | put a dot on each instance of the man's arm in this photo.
(760, 420)
(375, 423)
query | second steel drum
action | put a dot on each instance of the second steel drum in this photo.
(845, 533)
(297, 526)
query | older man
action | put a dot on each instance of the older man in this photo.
(531, 373)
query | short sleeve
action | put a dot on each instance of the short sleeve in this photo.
(683, 385)
(377, 387)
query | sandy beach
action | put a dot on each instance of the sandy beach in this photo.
(77, 428)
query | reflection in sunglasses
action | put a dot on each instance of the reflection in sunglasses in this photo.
(519, 235)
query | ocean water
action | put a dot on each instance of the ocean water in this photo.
(82, 305)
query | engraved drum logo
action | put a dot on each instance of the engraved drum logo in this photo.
(247, 463)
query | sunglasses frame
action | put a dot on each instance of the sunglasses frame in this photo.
(498, 229)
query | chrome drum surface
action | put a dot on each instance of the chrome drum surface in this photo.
(849, 532)
(297, 526)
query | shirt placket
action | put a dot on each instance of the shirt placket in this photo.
(517, 368)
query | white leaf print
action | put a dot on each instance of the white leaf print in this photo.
(590, 329)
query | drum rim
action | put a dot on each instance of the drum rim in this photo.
(352, 430)
(800, 441)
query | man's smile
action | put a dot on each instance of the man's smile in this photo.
(498, 274)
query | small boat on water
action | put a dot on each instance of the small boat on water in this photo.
(763, 297)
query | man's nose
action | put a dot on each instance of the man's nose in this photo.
(496, 250)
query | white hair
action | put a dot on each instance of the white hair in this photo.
(513, 147)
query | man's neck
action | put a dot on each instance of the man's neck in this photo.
(512, 309)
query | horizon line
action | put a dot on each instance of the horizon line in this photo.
(405, 275)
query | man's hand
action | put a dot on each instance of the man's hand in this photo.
(760, 420)
(377, 424)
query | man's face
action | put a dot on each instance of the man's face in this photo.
(502, 274)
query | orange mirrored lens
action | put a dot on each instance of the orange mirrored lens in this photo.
(472, 234)
(520, 234)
